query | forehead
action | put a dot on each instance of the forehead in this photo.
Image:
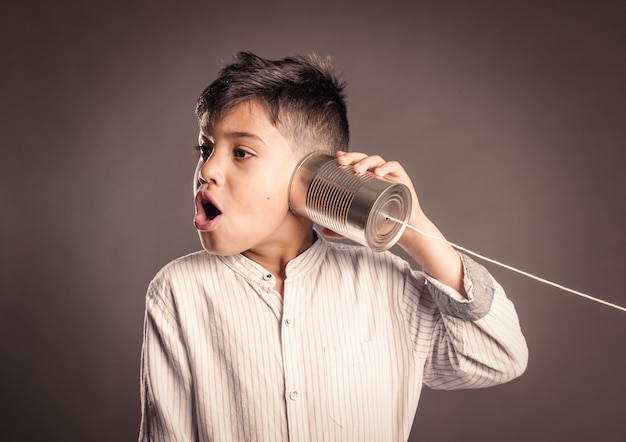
(249, 113)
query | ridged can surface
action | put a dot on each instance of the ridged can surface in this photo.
(355, 206)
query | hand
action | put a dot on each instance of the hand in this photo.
(390, 170)
(361, 162)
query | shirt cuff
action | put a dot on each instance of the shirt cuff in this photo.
(478, 285)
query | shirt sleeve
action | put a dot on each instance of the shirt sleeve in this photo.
(166, 405)
(479, 287)
(468, 343)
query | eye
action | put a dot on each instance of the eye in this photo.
(241, 154)
(205, 151)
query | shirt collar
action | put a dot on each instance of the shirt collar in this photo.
(302, 264)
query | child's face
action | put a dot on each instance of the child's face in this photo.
(242, 188)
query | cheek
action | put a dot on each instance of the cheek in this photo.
(276, 201)
(273, 205)
(268, 192)
(277, 193)
(196, 174)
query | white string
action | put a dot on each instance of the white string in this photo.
(521, 272)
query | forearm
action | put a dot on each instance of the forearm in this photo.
(438, 259)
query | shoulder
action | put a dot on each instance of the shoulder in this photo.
(177, 284)
(185, 268)
(362, 253)
(200, 257)
(387, 280)
(361, 258)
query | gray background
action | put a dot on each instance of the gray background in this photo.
(508, 115)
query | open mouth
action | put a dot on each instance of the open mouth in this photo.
(207, 216)
(210, 210)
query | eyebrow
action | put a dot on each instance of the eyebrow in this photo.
(244, 135)
(235, 134)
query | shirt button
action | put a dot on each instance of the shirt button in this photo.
(267, 276)
(294, 395)
(288, 322)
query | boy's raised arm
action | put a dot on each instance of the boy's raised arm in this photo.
(437, 259)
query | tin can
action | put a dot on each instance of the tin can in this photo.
(357, 207)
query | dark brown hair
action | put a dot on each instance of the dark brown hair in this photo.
(304, 98)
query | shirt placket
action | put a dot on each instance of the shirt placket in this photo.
(295, 392)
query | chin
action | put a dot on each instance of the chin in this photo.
(216, 247)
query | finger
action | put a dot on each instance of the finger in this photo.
(347, 158)
(330, 234)
(359, 161)
(368, 163)
(393, 168)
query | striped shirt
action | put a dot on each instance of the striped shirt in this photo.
(342, 356)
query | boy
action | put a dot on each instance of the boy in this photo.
(273, 333)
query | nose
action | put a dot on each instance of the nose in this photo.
(211, 170)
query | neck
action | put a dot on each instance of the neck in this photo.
(275, 257)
